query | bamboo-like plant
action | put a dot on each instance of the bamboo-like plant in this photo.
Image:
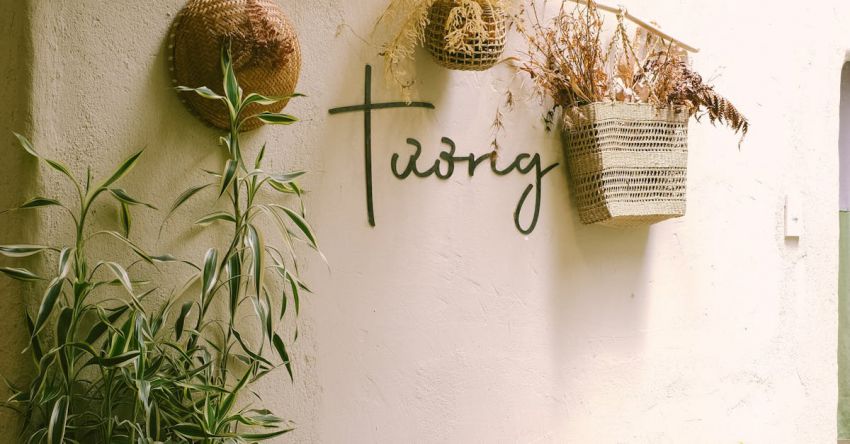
(75, 362)
(113, 369)
(238, 276)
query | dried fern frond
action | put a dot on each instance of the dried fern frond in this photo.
(675, 83)
(570, 66)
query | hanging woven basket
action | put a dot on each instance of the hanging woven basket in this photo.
(627, 162)
(481, 51)
(265, 52)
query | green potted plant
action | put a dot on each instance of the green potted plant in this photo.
(117, 367)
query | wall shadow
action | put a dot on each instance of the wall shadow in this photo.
(599, 303)
(19, 179)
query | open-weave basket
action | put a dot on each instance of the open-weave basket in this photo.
(627, 162)
(265, 52)
(485, 51)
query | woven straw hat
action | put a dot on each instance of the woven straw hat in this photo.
(265, 52)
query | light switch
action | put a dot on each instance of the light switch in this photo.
(793, 216)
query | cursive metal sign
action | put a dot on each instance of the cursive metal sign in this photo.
(444, 166)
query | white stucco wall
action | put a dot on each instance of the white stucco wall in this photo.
(443, 323)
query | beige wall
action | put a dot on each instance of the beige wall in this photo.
(18, 177)
(443, 324)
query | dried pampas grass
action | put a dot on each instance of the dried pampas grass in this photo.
(570, 66)
(407, 20)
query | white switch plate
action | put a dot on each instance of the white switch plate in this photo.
(793, 216)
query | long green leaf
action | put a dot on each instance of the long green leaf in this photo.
(255, 437)
(227, 176)
(189, 430)
(47, 304)
(234, 272)
(299, 222)
(181, 319)
(122, 196)
(100, 328)
(210, 272)
(259, 160)
(260, 99)
(284, 356)
(294, 285)
(231, 85)
(255, 242)
(153, 422)
(21, 274)
(185, 196)
(118, 360)
(36, 344)
(202, 91)
(126, 218)
(219, 215)
(129, 243)
(58, 166)
(38, 202)
(230, 399)
(63, 324)
(287, 178)
(21, 250)
(58, 421)
(122, 169)
(276, 118)
(255, 356)
(122, 276)
(26, 145)
(261, 308)
(64, 262)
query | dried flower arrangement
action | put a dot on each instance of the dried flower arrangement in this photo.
(460, 34)
(570, 65)
(624, 107)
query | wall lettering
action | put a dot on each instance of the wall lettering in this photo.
(444, 166)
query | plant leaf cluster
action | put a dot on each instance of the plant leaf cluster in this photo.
(114, 366)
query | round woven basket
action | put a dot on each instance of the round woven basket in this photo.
(265, 52)
(627, 162)
(485, 51)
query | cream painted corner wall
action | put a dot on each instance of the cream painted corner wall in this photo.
(18, 176)
(443, 323)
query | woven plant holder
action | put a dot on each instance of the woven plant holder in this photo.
(485, 52)
(265, 52)
(627, 162)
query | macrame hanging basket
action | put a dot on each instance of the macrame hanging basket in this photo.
(627, 162)
(482, 51)
(265, 52)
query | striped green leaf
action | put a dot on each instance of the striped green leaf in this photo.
(21, 250)
(185, 196)
(21, 274)
(227, 176)
(276, 118)
(58, 421)
(47, 304)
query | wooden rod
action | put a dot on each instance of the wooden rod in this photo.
(641, 23)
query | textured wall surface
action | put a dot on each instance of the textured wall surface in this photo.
(18, 177)
(443, 323)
